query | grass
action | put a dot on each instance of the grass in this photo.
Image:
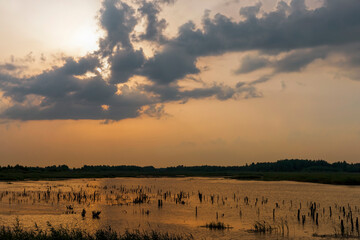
(262, 227)
(18, 233)
(338, 178)
(217, 226)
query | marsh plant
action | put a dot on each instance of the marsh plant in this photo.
(217, 226)
(262, 227)
(16, 232)
(260, 213)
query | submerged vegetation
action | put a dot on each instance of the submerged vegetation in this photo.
(217, 226)
(18, 233)
(318, 171)
(262, 227)
(91, 202)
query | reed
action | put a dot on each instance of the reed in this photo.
(306, 215)
(217, 226)
(18, 233)
(262, 227)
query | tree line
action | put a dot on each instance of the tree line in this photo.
(286, 165)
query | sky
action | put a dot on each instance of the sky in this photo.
(178, 82)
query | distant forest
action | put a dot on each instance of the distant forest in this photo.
(287, 165)
(317, 171)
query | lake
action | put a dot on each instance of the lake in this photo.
(186, 206)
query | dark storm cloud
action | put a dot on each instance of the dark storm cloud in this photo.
(289, 27)
(67, 109)
(222, 92)
(11, 68)
(286, 40)
(352, 59)
(167, 93)
(60, 94)
(6, 79)
(169, 65)
(68, 92)
(85, 101)
(167, 1)
(80, 67)
(8, 67)
(292, 62)
(55, 83)
(278, 30)
(118, 20)
(298, 60)
(261, 79)
(124, 64)
(251, 11)
(154, 26)
(252, 63)
(95, 90)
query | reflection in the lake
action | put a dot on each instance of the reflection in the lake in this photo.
(185, 205)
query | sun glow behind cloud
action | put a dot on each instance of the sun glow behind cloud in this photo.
(219, 98)
(85, 38)
(48, 26)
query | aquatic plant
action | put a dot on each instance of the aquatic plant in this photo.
(262, 227)
(312, 216)
(96, 214)
(18, 233)
(217, 226)
(141, 198)
(83, 213)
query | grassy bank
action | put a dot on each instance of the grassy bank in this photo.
(18, 233)
(316, 171)
(338, 178)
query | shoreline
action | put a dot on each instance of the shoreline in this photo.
(338, 178)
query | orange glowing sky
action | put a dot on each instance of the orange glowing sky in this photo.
(82, 84)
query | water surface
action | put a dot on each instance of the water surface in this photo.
(238, 204)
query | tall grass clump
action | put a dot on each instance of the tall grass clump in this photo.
(262, 227)
(217, 226)
(18, 233)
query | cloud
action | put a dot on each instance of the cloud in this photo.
(298, 60)
(221, 92)
(124, 64)
(289, 28)
(155, 27)
(67, 93)
(286, 39)
(55, 83)
(278, 30)
(118, 20)
(11, 68)
(84, 101)
(261, 79)
(252, 63)
(167, 1)
(154, 110)
(251, 11)
(170, 65)
(8, 67)
(293, 61)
